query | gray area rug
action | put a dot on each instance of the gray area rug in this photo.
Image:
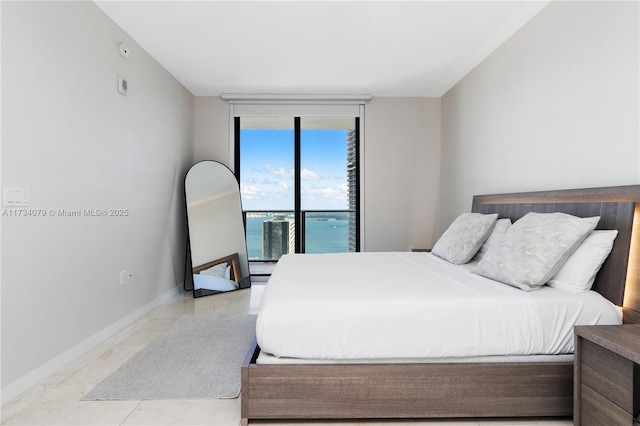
(199, 356)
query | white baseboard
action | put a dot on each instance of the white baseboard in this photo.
(34, 377)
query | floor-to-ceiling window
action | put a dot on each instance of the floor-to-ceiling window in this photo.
(298, 162)
(299, 182)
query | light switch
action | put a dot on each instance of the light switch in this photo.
(16, 197)
(122, 85)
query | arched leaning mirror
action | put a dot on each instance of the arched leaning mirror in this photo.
(217, 252)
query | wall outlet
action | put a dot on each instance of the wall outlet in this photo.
(124, 277)
(130, 274)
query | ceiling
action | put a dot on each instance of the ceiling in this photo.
(382, 48)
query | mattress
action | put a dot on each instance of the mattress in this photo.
(412, 305)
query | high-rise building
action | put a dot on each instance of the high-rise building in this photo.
(278, 237)
(352, 183)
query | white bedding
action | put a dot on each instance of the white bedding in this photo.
(412, 305)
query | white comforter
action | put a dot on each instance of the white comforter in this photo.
(412, 305)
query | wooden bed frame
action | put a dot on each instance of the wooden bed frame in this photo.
(366, 391)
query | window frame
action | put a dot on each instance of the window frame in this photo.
(304, 106)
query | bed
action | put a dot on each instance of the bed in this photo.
(485, 384)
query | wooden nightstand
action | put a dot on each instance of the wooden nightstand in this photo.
(607, 375)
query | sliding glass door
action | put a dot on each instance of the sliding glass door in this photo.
(329, 184)
(265, 148)
(299, 184)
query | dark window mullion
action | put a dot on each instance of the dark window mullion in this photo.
(297, 179)
(236, 147)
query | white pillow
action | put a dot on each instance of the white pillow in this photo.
(218, 270)
(534, 248)
(494, 239)
(464, 237)
(579, 271)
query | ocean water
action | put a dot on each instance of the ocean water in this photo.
(324, 234)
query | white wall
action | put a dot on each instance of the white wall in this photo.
(402, 168)
(75, 143)
(211, 130)
(554, 107)
(401, 163)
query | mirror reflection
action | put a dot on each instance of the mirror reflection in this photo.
(217, 252)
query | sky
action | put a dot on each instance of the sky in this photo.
(267, 168)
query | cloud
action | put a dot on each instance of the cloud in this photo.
(309, 174)
(280, 171)
(336, 193)
(272, 188)
(267, 181)
(250, 190)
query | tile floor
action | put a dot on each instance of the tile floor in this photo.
(58, 399)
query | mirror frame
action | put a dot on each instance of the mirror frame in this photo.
(234, 259)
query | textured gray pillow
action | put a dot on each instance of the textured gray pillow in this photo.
(464, 237)
(534, 248)
(502, 225)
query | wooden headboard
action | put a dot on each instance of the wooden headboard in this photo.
(619, 277)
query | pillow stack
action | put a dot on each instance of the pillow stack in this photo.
(557, 249)
(534, 248)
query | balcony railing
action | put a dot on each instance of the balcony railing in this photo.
(315, 231)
